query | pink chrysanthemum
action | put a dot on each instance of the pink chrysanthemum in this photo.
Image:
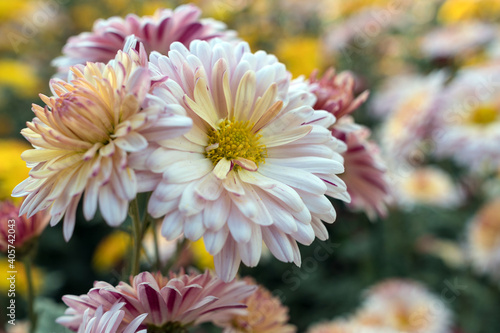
(176, 302)
(156, 32)
(83, 137)
(257, 164)
(365, 173)
(109, 321)
(25, 229)
(404, 306)
(264, 314)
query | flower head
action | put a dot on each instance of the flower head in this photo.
(483, 239)
(24, 229)
(407, 104)
(468, 123)
(83, 137)
(257, 163)
(264, 314)
(179, 301)
(457, 39)
(156, 32)
(365, 172)
(427, 186)
(404, 306)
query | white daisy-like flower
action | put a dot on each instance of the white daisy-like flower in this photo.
(468, 123)
(257, 163)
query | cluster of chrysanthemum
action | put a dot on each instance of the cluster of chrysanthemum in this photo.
(230, 148)
(394, 306)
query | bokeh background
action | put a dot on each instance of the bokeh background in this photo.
(407, 53)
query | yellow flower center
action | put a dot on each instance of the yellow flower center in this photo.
(232, 140)
(484, 115)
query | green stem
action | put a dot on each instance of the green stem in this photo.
(31, 293)
(137, 234)
(171, 263)
(157, 249)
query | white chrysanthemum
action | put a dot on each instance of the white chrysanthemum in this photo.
(468, 126)
(257, 163)
(83, 139)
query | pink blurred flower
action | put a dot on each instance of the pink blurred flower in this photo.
(365, 173)
(364, 170)
(179, 301)
(257, 163)
(156, 32)
(24, 229)
(83, 138)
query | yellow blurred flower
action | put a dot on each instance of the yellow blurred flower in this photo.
(84, 15)
(111, 250)
(301, 55)
(20, 278)
(344, 8)
(13, 169)
(18, 76)
(459, 10)
(12, 9)
(201, 257)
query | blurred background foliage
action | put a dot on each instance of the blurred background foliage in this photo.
(420, 241)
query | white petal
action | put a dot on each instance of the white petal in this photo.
(133, 141)
(239, 226)
(215, 240)
(227, 261)
(113, 209)
(278, 243)
(185, 171)
(193, 227)
(216, 213)
(222, 168)
(294, 177)
(209, 187)
(171, 227)
(250, 252)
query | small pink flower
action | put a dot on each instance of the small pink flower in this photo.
(156, 32)
(24, 229)
(180, 300)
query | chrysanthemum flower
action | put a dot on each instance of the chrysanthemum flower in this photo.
(483, 239)
(109, 321)
(257, 163)
(468, 123)
(427, 186)
(264, 314)
(365, 172)
(407, 104)
(404, 306)
(19, 231)
(156, 32)
(457, 40)
(84, 135)
(179, 301)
